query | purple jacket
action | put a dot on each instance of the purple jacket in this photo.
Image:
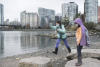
(83, 40)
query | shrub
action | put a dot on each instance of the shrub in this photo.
(90, 25)
(99, 23)
(71, 28)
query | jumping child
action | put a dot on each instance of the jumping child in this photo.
(61, 35)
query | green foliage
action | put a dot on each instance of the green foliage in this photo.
(90, 25)
(65, 21)
(72, 28)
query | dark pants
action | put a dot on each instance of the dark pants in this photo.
(79, 49)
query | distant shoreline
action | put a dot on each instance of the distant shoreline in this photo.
(26, 30)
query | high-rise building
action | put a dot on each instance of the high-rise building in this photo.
(29, 19)
(99, 14)
(91, 11)
(23, 18)
(34, 19)
(1, 14)
(69, 10)
(6, 22)
(64, 9)
(46, 16)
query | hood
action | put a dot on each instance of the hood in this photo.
(78, 21)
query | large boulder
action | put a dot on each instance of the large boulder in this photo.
(88, 62)
(85, 53)
(97, 27)
(35, 62)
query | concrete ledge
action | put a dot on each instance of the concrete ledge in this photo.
(35, 62)
(88, 62)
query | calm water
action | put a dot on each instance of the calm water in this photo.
(17, 42)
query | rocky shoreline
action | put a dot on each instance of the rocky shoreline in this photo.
(58, 60)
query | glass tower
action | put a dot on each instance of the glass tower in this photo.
(1, 14)
(91, 11)
(46, 16)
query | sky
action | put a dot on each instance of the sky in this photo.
(12, 8)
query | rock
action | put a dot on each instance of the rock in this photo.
(85, 53)
(18, 58)
(35, 62)
(88, 62)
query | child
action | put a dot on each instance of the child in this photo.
(80, 38)
(61, 35)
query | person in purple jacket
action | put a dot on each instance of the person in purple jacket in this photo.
(81, 39)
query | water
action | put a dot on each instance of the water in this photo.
(17, 42)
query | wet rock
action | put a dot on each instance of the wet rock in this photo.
(87, 62)
(85, 53)
(97, 27)
(35, 62)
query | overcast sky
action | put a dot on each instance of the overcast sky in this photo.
(12, 8)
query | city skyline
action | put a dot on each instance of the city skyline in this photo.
(12, 12)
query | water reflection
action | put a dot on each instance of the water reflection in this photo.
(1, 42)
(11, 43)
(30, 41)
(15, 42)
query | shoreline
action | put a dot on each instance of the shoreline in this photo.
(26, 30)
(60, 58)
(31, 53)
(96, 30)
